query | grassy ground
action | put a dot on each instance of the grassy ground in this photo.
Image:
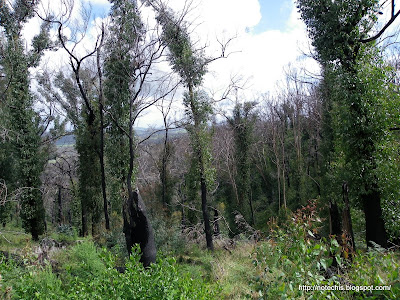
(232, 268)
(241, 270)
(13, 239)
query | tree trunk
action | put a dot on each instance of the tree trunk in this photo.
(163, 175)
(137, 228)
(346, 216)
(206, 216)
(375, 226)
(334, 220)
(59, 200)
(101, 150)
(103, 172)
(252, 220)
(216, 223)
(84, 229)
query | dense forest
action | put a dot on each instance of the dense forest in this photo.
(293, 194)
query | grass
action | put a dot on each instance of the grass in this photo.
(245, 270)
(13, 239)
(232, 269)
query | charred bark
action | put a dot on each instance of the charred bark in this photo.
(375, 226)
(216, 223)
(335, 227)
(206, 216)
(138, 229)
(59, 200)
(346, 217)
(84, 228)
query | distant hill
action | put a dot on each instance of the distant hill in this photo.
(67, 140)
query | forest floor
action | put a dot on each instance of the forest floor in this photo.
(285, 265)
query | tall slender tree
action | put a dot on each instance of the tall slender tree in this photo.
(340, 31)
(131, 54)
(191, 66)
(242, 123)
(23, 121)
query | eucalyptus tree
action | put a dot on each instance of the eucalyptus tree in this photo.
(341, 34)
(191, 66)
(242, 123)
(82, 98)
(130, 87)
(167, 180)
(64, 90)
(21, 119)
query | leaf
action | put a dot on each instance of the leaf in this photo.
(324, 263)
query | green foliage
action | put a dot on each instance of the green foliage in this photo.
(65, 234)
(359, 109)
(87, 141)
(119, 90)
(86, 273)
(21, 120)
(168, 233)
(242, 123)
(337, 27)
(292, 258)
(185, 60)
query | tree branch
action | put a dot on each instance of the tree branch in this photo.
(373, 38)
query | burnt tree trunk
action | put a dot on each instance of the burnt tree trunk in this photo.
(346, 217)
(216, 223)
(137, 228)
(206, 216)
(334, 220)
(59, 200)
(84, 228)
(375, 226)
(163, 172)
(252, 220)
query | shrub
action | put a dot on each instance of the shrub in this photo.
(293, 258)
(87, 273)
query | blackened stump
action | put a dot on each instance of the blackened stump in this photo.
(138, 229)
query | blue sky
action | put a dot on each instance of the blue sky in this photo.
(268, 33)
(267, 36)
(274, 15)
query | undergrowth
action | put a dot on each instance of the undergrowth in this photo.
(84, 272)
(280, 266)
(294, 259)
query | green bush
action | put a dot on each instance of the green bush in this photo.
(84, 272)
(293, 258)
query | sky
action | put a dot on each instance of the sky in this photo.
(268, 36)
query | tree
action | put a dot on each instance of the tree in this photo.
(82, 114)
(22, 120)
(84, 106)
(340, 34)
(242, 123)
(191, 66)
(163, 166)
(132, 52)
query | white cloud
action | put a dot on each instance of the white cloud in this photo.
(260, 58)
(99, 2)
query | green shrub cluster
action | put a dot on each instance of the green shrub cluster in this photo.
(84, 272)
(294, 257)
